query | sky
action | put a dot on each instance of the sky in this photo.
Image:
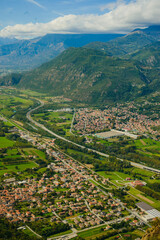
(26, 19)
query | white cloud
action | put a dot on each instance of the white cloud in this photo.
(112, 5)
(121, 18)
(36, 3)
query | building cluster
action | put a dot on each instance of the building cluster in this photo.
(90, 121)
(122, 117)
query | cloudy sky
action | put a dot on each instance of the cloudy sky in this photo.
(32, 18)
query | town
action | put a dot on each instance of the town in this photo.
(66, 192)
(122, 117)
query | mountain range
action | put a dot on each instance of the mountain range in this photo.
(129, 43)
(99, 76)
(28, 54)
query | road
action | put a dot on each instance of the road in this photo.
(94, 213)
(28, 115)
(33, 232)
(73, 121)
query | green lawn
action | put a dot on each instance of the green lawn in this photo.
(60, 189)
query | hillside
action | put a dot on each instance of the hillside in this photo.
(148, 55)
(149, 61)
(86, 75)
(128, 43)
(28, 54)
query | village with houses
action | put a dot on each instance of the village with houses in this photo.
(68, 192)
(124, 118)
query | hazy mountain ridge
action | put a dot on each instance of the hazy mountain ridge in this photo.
(5, 41)
(28, 54)
(129, 43)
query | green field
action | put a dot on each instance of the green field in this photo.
(143, 172)
(35, 152)
(42, 170)
(4, 142)
(11, 103)
(92, 233)
(114, 175)
(61, 234)
(117, 178)
(21, 167)
(148, 147)
(142, 197)
(16, 159)
(59, 122)
(56, 117)
(136, 234)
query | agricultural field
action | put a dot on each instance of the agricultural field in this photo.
(10, 104)
(61, 234)
(4, 142)
(58, 121)
(16, 154)
(114, 175)
(148, 146)
(20, 167)
(14, 160)
(93, 233)
(136, 234)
